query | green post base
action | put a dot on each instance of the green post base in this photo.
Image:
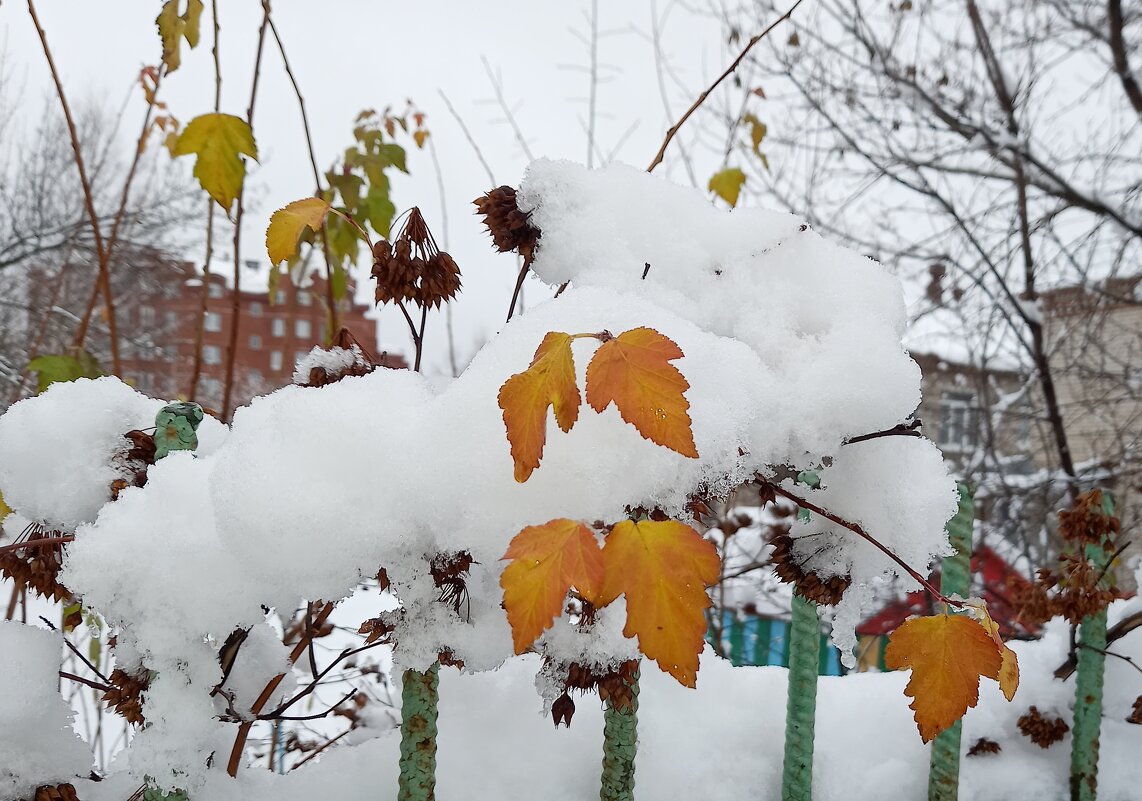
(801, 709)
(620, 744)
(418, 735)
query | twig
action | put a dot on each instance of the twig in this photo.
(499, 89)
(910, 429)
(594, 72)
(319, 715)
(88, 200)
(329, 299)
(92, 684)
(236, 294)
(420, 337)
(71, 647)
(204, 295)
(702, 97)
(16, 546)
(319, 749)
(468, 136)
(518, 288)
(856, 529)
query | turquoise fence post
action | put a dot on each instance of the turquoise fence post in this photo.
(419, 698)
(1089, 681)
(804, 645)
(176, 427)
(955, 579)
(620, 743)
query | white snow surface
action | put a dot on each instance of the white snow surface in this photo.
(37, 743)
(791, 345)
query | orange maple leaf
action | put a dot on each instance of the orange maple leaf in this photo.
(664, 569)
(525, 398)
(947, 654)
(633, 370)
(548, 561)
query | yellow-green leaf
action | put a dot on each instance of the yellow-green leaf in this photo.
(757, 131)
(219, 141)
(727, 184)
(174, 27)
(287, 223)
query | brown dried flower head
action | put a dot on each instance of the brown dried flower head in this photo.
(55, 792)
(1043, 731)
(36, 566)
(984, 746)
(809, 585)
(412, 268)
(125, 695)
(511, 228)
(1087, 521)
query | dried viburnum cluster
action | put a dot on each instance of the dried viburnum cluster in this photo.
(1077, 588)
(412, 268)
(131, 462)
(36, 566)
(984, 746)
(1135, 715)
(55, 792)
(1043, 731)
(615, 686)
(511, 228)
(362, 362)
(125, 695)
(449, 572)
(809, 585)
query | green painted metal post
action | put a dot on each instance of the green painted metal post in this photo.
(804, 645)
(737, 642)
(620, 745)
(419, 695)
(955, 579)
(176, 427)
(1088, 685)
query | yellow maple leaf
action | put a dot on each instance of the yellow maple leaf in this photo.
(663, 568)
(219, 141)
(547, 561)
(947, 654)
(727, 184)
(525, 398)
(286, 225)
(633, 371)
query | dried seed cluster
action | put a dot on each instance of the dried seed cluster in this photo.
(37, 566)
(511, 229)
(412, 268)
(1043, 731)
(125, 695)
(55, 792)
(809, 585)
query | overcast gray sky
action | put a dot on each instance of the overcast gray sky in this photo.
(353, 54)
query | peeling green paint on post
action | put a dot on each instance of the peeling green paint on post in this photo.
(620, 745)
(1088, 684)
(955, 579)
(804, 643)
(419, 698)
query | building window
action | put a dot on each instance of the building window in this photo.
(959, 421)
(216, 290)
(211, 354)
(275, 361)
(280, 297)
(255, 309)
(255, 342)
(298, 355)
(146, 352)
(146, 316)
(213, 322)
(171, 320)
(302, 329)
(304, 298)
(277, 327)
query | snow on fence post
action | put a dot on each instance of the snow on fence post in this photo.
(620, 738)
(419, 696)
(804, 651)
(1088, 682)
(955, 579)
(176, 429)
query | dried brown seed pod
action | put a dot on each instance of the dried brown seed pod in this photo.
(984, 746)
(809, 585)
(125, 694)
(511, 228)
(1043, 731)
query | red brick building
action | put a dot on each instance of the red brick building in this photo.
(273, 334)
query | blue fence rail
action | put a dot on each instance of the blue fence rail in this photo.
(755, 640)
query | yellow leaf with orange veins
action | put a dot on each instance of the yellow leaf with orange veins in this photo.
(525, 398)
(947, 654)
(663, 568)
(548, 561)
(287, 223)
(634, 372)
